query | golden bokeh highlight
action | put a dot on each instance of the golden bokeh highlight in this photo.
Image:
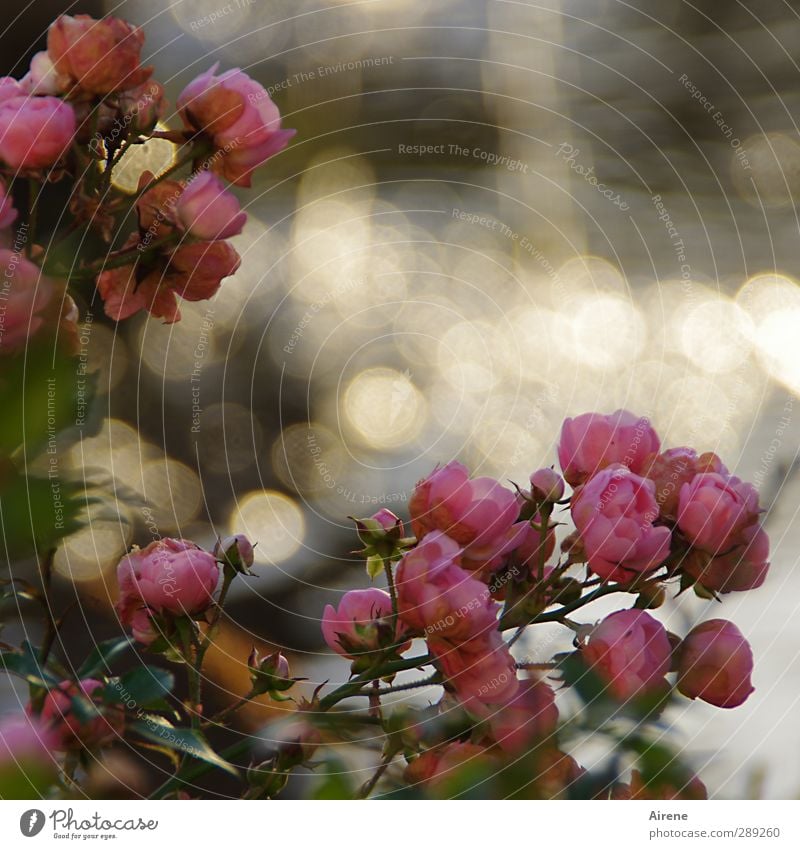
(384, 408)
(272, 521)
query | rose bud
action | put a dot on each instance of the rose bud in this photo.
(74, 731)
(714, 510)
(669, 471)
(35, 132)
(236, 550)
(172, 576)
(8, 215)
(592, 441)
(362, 624)
(715, 663)
(743, 568)
(143, 105)
(27, 764)
(100, 56)
(630, 652)
(236, 115)
(295, 741)
(206, 210)
(269, 674)
(614, 514)
(547, 485)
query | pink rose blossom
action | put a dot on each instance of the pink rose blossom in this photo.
(479, 670)
(237, 115)
(71, 731)
(743, 568)
(361, 624)
(43, 78)
(8, 215)
(527, 717)
(9, 87)
(30, 300)
(480, 514)
(193, 271)
(714, 509)
(24, 739)
(169, 576)
(614, 514)
(437, 597)
(35, 132)
(592, 441)
(206, 210)
(630, 651)
(100, 56)
(715, 663)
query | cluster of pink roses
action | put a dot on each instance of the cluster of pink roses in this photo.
(643, 518)
(84, 102)
(636, 508)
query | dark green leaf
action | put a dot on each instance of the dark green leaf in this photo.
(102, 656)
(156, 729)
(28, 668)
(142, 688)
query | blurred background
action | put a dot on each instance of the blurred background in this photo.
(494, 215)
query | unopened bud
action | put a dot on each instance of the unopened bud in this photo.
(269, 674)
(547, 485)
(236, 551)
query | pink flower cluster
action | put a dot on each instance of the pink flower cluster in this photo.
(87, 100)
(636, 509)
(456, 614)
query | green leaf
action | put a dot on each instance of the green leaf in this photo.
(156, 729)
(27, 667)
(36, 512)
(145, 686)
(374, 566)
(335, 781)
(102, 656)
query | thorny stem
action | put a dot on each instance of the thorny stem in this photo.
(376, 777)
(51, 628)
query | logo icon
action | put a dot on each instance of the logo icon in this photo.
(31, 822)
